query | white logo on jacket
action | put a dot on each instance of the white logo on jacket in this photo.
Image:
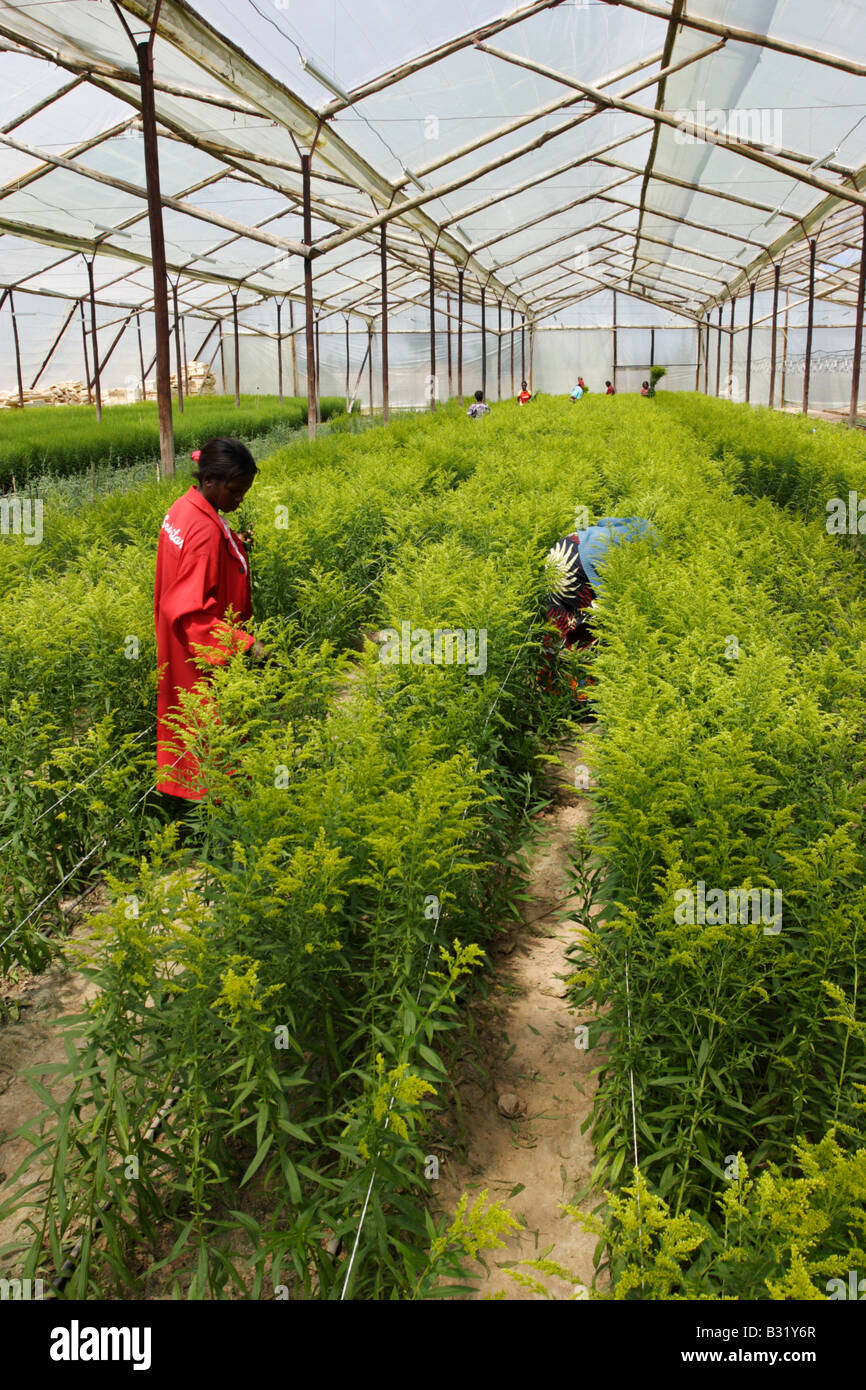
(173, 533)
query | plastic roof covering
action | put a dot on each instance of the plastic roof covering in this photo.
(543, 194)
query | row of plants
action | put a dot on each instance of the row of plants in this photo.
(68, 439)
(797, 461)
(290, 991)
(732, 697)
(77, 646)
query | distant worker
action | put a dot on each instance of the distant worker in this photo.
(610, 389)
(583, 386)
(479, 407)
(525, 394)
(644, 388)
(577, 392)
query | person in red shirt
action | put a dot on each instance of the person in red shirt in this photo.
(202, 573)
(610, 389)
(525, 394)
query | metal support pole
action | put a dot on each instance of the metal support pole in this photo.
(698, 358)
(96, 382)
(719, 351)
(707, 359)
(858, 330)
(370, 362)
(177, 356)
(522, 347)
(731, 351)
(223, 360)
(512, 353)
(652, 348)
(185, 356)
(141, 357)
(237, 350)
(776, 273)
(499, 355)
(807, 365)
(308, 294)
(432, 328)
(144, 53)
(749, 342)
(460, 276)
(280, 349)
(386, 384)
(18, 352)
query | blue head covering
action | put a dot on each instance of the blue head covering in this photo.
(595, 541)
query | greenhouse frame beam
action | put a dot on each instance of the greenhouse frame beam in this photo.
(548, 109)
(435, 55)
(555, 212)
(189, 32)
(705, 189)
(175, 204)
(42, 105)
(738, 35)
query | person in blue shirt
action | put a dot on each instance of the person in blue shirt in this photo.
(577, 392)
(574, 564)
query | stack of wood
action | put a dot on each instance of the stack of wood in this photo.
(61, 393)
(199, 380)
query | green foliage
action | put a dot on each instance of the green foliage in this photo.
(67, 439)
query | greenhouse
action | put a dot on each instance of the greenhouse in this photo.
(449, 882)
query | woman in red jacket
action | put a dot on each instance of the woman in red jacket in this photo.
(202, 572)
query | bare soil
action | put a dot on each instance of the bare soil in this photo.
(525, 1047)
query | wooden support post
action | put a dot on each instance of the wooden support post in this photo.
(141, 357)
(86, 355)
(318, 374)
(18, 352)
(237, 350)
(308, 294)
(185, 356)
(784, 355)
(858, 329)
(348, 363)
(177, 357)
(807, 365)
(460, 277)
(448, 321)
(144, 53)
(777, 270)
(749, 342)
(499, 356)
(484, 340)
(280, 349)
(386, 384)
(97, 385)
(54, 345)
(294, 349)
(719, 351)
(432, 328)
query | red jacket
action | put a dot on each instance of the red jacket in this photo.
(201, 572)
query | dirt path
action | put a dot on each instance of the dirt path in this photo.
(526, 1048)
